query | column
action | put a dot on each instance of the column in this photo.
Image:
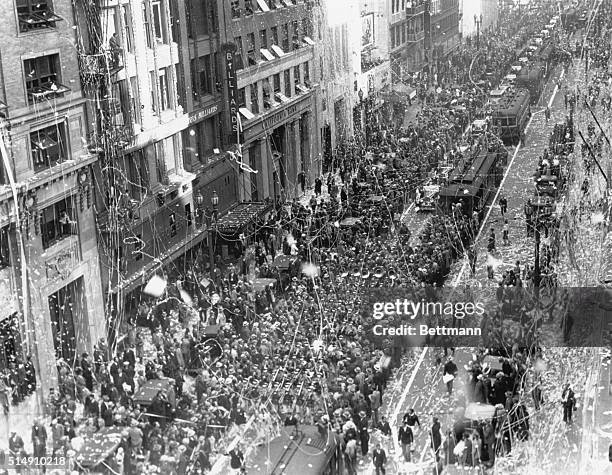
(264, 177)
(244, 178)
(297, 160)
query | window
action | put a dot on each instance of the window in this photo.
(42, 77)
(207, 139)
(147, 27)
(188, 216)
(35, 15)
(266, 94)
(287, 75)
(127, 23)
(236, 9)
(295, 38)
(135, 100)
(164, 89)
(296, 75)
(58, 222)
(153, 79)
(239, 56)
(274, 31)
(48, 146)
(159, 23)
(248, 7)
(277, 83)
(251, 49)
(285, 44)
(137, 174)
(138, 247)
(263, 38)
(181, 94)
(254, 99)
(306, 27)
(172, 221)
(307, 74)
(5, 250)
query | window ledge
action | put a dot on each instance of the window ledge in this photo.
(68, 242)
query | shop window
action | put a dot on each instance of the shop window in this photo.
(48, 146)
(58, 222)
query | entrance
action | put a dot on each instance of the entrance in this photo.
(67, 305)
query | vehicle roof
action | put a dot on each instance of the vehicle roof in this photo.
(512, 103)
(304, 453)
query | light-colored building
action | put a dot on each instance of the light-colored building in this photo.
(338, 39)
(51, 300)
(372, 64)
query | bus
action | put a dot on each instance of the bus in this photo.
(476, 178)
(510, 116)
(299, 450)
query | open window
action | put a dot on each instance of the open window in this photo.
(42, 77)
(58, 222)
(48, 146)
(35, 15)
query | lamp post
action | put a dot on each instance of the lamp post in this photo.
(199, 200)
(478, 23)
(214, 200)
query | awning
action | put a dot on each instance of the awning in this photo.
(308, 41)
(277, 51)
(240, 216)
(303, 89)
(246, 113)
(267, 55)
(279, 96)
(263, 5)
(3, 106)
(141, 277)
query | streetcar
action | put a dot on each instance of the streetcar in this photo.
(511, 114)
(302, 449)
(533, 77)
(475, 180)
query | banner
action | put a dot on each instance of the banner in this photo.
(232, 92)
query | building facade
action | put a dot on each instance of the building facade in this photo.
(444, 34)
(51, 298)
(337, 48)
(372, 69)
(270, 51)
(134, 72)
(406, 37)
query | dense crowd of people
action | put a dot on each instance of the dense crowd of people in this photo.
(284, 343)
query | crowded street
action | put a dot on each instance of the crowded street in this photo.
(304, 328)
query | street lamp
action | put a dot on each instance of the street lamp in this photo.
(199, 199)
(214, 200)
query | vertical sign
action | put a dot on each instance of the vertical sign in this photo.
(232, 92)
